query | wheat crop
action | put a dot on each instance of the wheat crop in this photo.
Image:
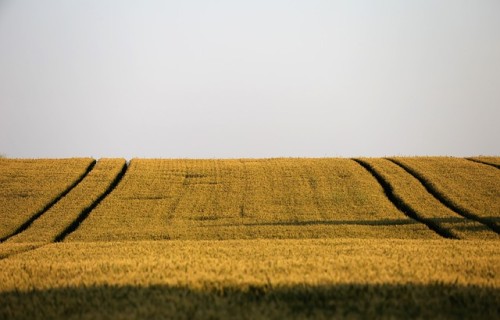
(495, 161)
(60, 217)
(303, 278)
(411, 191)
(238, 199)
(28, 186)
(472, 188)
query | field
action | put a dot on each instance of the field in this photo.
(250, 238)
(29, 187)
(241, 199)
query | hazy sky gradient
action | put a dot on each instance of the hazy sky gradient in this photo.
(249, 78)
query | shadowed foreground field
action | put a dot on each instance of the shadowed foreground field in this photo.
(253, 279)
(292, 302)
(250, 238)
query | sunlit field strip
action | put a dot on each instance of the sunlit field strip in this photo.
(284, 278)
(472, 187)
(425, 205)
(232, 199)
(27, 186)
(66, 211)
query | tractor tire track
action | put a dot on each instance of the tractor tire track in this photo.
(86, 212)
(484, 162)
(444, 200)
(49, 205)
(29, 249)
(402, 205)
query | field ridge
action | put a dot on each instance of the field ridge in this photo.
(404, 207)
(49, 205)
(85, 212)
(444, 199)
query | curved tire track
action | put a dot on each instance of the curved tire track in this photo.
(444, 200)
(29, 249)
(484, 162)
(85, 212)
(402, 205)
(49, 205)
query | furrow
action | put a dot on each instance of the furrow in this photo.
(402, 205)
(85, 212)
(444, 200)
(47, 207)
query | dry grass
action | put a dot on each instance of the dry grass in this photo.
(27, 186)
(237, 199)
(58, 218)
(425, 205)
(471, 187)
(254, 278)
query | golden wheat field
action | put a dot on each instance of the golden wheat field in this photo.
(250, 238)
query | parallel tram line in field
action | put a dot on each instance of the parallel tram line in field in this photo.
(70, 210)
(444, 199)
(302, 238)
(244, 199)
(187, 199)
(85, 213)
(489, 161)
(7, 250)
(425, 205)
(50, 204)
(402, 205)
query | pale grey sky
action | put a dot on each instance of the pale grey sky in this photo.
(261, 78)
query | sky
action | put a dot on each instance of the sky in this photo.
(251, 79)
